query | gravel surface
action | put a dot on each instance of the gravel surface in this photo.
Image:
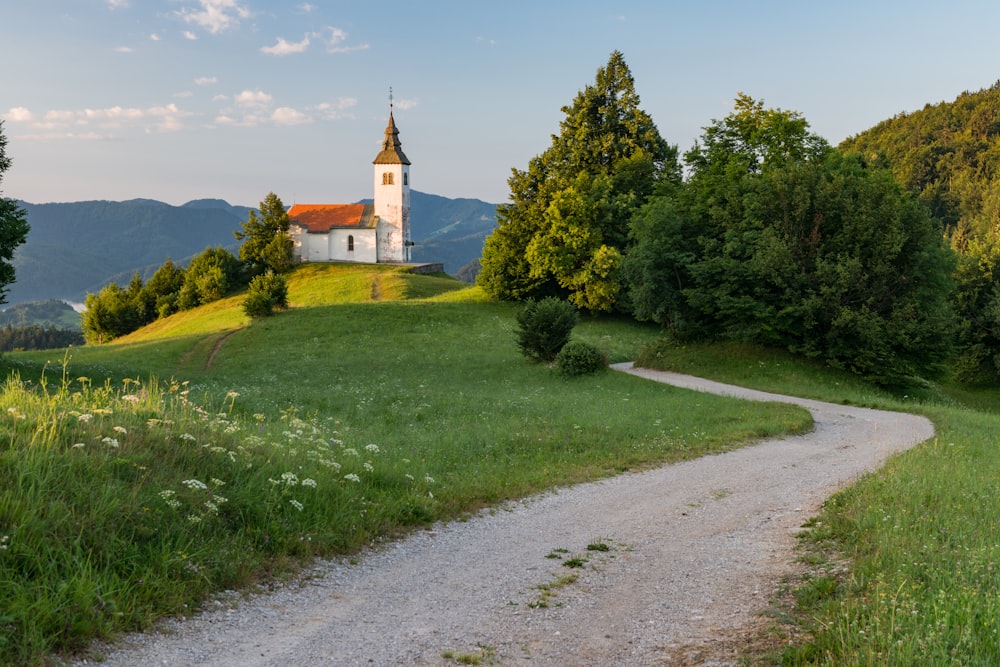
(695, 551)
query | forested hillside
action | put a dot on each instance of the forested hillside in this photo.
(949, 154)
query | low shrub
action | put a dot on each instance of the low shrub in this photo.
(545, 327)
(579, 358)
(266, 292)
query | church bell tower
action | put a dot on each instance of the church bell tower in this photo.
(392, 197)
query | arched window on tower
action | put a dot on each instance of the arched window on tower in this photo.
(406, 178)
(387, 178)
(350, 243)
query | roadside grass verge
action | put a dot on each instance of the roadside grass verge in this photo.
(316, 432)
(904, 565)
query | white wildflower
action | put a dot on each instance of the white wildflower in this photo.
(86, 417)
(311, 483)
(120, 429)
(368, 466)
(110, 442)
(217, 482)
(289, 478)
(187, 436)
(373, 448)
(296, 504)
(351, 477)
(195, 484)
(79, 445)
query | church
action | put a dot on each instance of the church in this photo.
(371, 233)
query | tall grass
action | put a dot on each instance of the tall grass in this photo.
(905, 564)
(312, 433)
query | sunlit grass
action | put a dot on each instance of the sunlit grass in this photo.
(399, 413)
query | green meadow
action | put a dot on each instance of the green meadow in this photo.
(207, 452)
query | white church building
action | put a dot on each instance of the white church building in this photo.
(371, 233)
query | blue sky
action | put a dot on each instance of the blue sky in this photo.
(185, 99)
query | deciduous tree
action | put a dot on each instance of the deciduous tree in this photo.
(566, 226)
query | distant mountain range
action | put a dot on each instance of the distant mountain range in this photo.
(76, 248)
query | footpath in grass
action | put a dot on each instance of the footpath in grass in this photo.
(904, 565)
(314, 433)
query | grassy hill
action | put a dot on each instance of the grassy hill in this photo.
(379, 401)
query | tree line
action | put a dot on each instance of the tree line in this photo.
(761, 233)
(215, 273)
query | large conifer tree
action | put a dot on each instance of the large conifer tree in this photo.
(565, 229)
(13, 225)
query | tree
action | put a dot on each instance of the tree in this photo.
(565, 229)
(266, 243)
(13, 225)
(267, 292)
(779, 240)
(210, 275)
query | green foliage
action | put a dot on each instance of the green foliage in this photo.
(37, 337)
(780, 241)
(13, 225)
(545, 327)
(210, 276)
(266, 293)
(579, 358)
(266, 244)
(566, 228)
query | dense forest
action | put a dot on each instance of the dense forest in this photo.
(876, 256)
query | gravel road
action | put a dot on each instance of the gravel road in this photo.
(694, 551)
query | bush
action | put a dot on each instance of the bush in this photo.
(266, 292)
(579, 358)
(545, 327)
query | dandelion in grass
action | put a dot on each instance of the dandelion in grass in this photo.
(351, 477)
(296, 504)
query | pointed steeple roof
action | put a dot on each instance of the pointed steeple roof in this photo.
(392, 152)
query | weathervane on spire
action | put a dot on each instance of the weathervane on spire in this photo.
(390, 99)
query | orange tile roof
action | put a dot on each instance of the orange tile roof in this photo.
(321, 218)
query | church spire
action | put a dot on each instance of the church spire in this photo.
(392, 152)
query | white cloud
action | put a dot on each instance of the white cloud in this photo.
(284, 48)
(253, 98)
(153, 37)
(63, 124)
(117, 4)
(123, 49)
(19, 115)
(484, 40)
(189, 35)
(335, 42)
(335, 110)
(205, 80)
(307, 8)
(289, 116)
(215, 16)
(184, 94)
(220, 98)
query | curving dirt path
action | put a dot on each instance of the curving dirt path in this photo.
(695, 550)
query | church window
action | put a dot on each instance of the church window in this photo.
(387, 178)
(350, 243)
(406, 179)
